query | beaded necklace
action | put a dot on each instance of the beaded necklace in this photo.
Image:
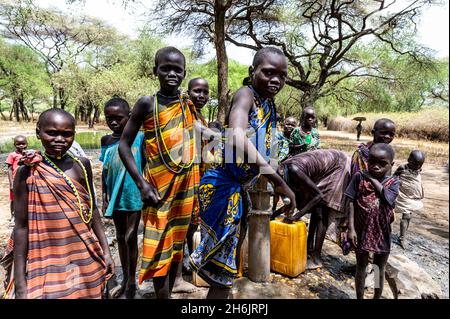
(82, 212)
(260, 103)
(167, 96)
(159, 138)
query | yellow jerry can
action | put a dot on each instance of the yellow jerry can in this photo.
(288, 247)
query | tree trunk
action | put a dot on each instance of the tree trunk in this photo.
(96, 114)
(309, 97)
(89, 118)
(23, 108)
(55, 96)
(209, 113)
(1, 112)
(16, 109)
(62, 98)
(222, 59)
(77, 113)
(11, 112)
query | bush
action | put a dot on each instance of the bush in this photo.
(429, 124)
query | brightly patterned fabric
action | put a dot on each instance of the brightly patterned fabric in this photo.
(65, 259)
(13, 160)
(205, 160)
(360, 158)
(166, 223)
(283, 146)
(122, 192)
(308, 141)
(222, 200)
(374, 212)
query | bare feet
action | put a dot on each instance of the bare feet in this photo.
(181, 285)
(130, 291)
(402, 243)
(118, 291)
(313, 263)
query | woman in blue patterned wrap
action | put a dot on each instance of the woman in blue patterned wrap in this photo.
(222, 190)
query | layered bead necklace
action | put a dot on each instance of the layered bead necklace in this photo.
(85, 216)
(162, 147)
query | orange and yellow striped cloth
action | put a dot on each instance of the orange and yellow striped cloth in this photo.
(166, 223)
(65, 259)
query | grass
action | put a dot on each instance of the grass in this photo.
(430, 124)
(87, 140)
(436, 152)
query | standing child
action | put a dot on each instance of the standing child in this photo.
(284, 137)
(410, 196)
(198, 91)
(306, 137)
(171, 175)
(251, 124)
(372, 197)
(60, 248)
(13, 159)
(121, 197)
(383, 132)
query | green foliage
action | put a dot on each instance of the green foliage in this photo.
(236, 74)
(115, 65)
(22, 75)
(87, 140)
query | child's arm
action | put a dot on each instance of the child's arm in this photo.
(376, 183)
(299, 178)
(143, 107)
(105, 201)
(351, 223)
(104, 186)
(10, 179)
(351, 195)
(21, 231)
(238, 122)
(388, 195)
(97, 224)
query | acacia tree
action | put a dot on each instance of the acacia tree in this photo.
(22, 80)
(119, 70)
(208, 21)
(320, 38)
(57, 38)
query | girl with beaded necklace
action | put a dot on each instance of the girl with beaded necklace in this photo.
(60, 248)
(171, 174)
(251, 125)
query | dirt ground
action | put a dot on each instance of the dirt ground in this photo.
(428, 234)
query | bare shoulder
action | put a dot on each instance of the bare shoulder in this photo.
(86, 162)
(144, 106)
(105, 140)
(244, 92)
(243, 99)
